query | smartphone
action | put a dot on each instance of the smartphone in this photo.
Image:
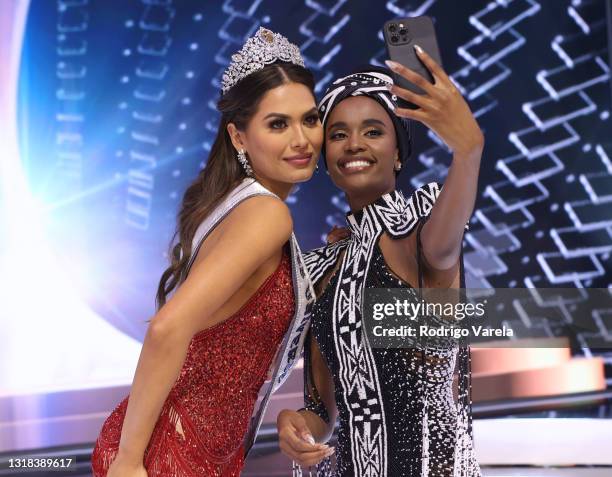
(401, 34)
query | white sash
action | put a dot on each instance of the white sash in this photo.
(291, 347)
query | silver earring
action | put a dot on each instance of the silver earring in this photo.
(248, 170)
(398, 167)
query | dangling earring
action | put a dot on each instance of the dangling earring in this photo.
(248, 170)
(317, 168)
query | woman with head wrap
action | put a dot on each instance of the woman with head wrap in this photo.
(397, 414)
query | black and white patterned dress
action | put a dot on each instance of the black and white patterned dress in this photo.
(397, 414)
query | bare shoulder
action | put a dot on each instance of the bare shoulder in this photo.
(250, 236)
(260, 214)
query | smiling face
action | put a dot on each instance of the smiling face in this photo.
(361, 150)
(284, 137)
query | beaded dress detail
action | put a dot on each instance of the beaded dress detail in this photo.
(201, 428)
(397, 413)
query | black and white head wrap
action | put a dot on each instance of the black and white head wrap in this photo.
(369, 82)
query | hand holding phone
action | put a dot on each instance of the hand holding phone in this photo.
(401, 36)
(436, 103)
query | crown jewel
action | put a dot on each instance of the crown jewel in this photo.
(264, 48)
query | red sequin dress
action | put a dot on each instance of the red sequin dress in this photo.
(203, 422)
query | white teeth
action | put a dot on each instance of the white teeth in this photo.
(352, 164)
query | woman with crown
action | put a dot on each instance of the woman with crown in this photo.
(397, 416)
(238, 286)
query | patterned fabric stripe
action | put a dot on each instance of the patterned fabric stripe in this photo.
(320, 260)
(358, 374)
(425, 198)
(401, 216)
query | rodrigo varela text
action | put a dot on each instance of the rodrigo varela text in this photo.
(454, 311)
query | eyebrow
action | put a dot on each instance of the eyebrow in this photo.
(286, 116)
(365, 122)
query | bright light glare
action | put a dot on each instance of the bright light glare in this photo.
(51, 340)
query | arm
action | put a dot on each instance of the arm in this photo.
(443, 233)
(298, 431)
(251, 234)
(320, 402)
(444, 111)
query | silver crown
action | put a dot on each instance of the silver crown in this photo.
(264, 48)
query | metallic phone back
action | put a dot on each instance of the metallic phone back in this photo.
(420, 32)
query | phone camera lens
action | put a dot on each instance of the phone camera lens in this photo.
(403, 31)
(394, 39)
(392, 28)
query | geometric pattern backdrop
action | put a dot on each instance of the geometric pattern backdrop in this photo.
(124, 116)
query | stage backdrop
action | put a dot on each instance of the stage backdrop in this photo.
(113, 110)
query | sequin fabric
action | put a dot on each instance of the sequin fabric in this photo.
(397, 413)
(202, 425)
(401, 373)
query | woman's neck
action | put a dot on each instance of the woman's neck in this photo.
(362, 200)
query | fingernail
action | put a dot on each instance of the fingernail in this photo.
(308, 438)
(418, 48)
(392, 64)
(330, 451)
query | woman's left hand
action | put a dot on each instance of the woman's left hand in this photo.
(337, 233)
(442, 108)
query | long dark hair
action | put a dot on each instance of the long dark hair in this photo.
(222, 171)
